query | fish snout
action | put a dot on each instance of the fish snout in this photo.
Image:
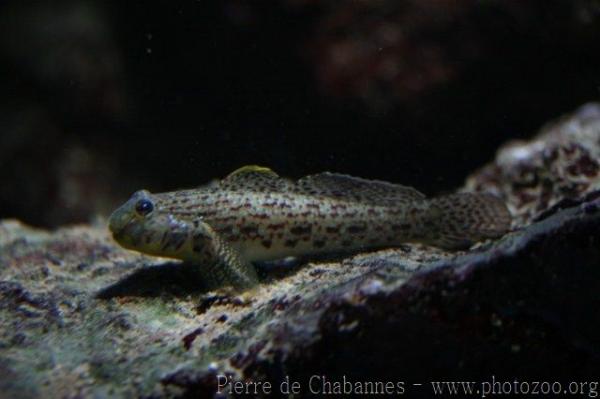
(118, 220)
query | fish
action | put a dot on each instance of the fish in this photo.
(254, 215)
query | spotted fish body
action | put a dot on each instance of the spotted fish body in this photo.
(255, 215)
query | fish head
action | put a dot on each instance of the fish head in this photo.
(145, 224)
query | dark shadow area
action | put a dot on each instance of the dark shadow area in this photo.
(180, 279)
(171, 279)
(269, 272)
(279, 269)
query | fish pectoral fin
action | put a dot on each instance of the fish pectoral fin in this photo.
(228, 274)
(232, 270)
(220, 264)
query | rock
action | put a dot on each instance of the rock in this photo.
(85, 317)
(559, 166)
(80, 316)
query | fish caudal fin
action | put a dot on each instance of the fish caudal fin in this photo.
(458, 221)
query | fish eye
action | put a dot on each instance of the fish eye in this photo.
(144, 207)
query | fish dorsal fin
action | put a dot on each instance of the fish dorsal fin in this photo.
(253, 178)
(342, 187)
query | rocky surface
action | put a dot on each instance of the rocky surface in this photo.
(556, 168)
(81, 317)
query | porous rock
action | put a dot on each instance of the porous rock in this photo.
(559, 166)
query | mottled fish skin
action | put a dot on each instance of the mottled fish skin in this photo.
(255, 215)
(266, 226)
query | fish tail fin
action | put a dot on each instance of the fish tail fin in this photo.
(457, 221)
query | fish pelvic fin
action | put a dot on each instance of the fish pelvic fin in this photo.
(457, 221)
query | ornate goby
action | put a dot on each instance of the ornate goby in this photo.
(255, 215)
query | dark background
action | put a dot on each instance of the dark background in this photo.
(99, 99)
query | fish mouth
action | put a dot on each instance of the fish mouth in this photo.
(118, 234)
(123, 233)
(117, 223)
